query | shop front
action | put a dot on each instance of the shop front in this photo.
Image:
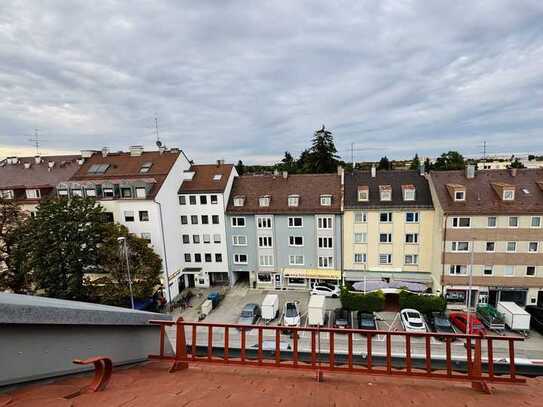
(294, 278)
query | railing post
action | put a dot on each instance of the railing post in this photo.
(180, 361)
(476, 369)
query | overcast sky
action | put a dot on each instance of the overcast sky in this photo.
(250, 79)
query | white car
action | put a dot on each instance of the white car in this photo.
(291, 314)
(412, 320)
(328, 290)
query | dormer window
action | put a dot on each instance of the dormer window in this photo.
(385, 192)
(239, 201)
(264, 201)
(408, 192)
(90, 191)
(459, 195)
(217, 177)
(33, 193)
(508, 195)
(6, 194)
(77, 191)
(326, 200)
(141, 193)
(145, 167)
(293, 201)
(363, 194)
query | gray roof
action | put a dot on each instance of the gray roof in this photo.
(395, 179)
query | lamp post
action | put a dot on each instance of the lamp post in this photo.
(124, 245)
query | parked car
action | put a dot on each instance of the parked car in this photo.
(328, 290)
(366, 320)
(412, 320)
(249, 314)
(460, 320)
(439, 322)
(291, 314)
(342, 318)
(537, 317)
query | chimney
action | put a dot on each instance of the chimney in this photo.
(513, 172)
(27, 165)
(285, 174)
(470, 171)
(81, 161)
(220, 162)
(105, 151)
(86, 153)
(276, 173)
(135, 151)
(162, 149)
(51, 164)
(373, 171)
(37, 159)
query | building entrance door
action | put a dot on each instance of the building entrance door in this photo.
(277, 281)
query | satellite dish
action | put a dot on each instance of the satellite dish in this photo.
(159, 143)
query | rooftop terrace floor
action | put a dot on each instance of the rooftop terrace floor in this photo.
(203, 385)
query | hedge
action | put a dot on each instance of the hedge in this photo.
(370, 302)
(425, 304)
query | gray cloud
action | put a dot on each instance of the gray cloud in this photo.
(249, 80)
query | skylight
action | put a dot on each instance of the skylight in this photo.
(217, 177)
(146, 167)
(98, 168)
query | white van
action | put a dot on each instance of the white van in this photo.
(270, 307)
(316, 314)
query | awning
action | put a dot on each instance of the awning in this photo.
(192, 270)
(325, 274)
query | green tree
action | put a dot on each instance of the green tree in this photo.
(517, 164)
(302, 163)
(415, 163)
(288, 163)
(322, 157)
(240, 168)
(452, 160)
(384, 164)
(427, 165)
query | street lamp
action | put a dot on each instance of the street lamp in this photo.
(124, 245)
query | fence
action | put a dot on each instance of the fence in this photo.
(289, 353)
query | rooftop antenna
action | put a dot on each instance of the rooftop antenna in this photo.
(484, 150)
(36, 141)
(158, 142)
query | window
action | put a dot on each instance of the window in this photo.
(295, 241)
(240, 259)
(296, 281)
(412, 238)
(217, 177)
(296, 260)
(265, 261)
(293, 200)
(126, 192)
(196, 239)
(324, 223)
(186, 239)
(141, 193)
(385, 258)
(145, 167)
(215, 219)
(461, 222)
(8, 193)
(144, 216)
(90, 192)
(488, 270)
(511, 246)
(508, 195)
(360, 258)
(385, 192)
(363, 194)
(533, 247)
(216, 238)
(205, 219)
(325, 242)
(459, 195)
(490, 246)
(98, 168)
(197, 258)
(214, 200)
(385, 217)
(458, 269)
(184, 220)
(218, 258)
(240, 240)
(187, 258)
(77, 192)
(265, 241)
(360, 217)
(295, 222)
(108, 193)
(411, 217)
(264, 222)
(146, 237)
(206, 238)
(460, 246)
(530, 271)
(513, 221)
(238, 222)
(409, 194)
(536, 221)
(108, 217)
(263, 277)
(491, 222)
(182, 200)
(33, 193)
(203, 199)
(385, 237)
(264, 201)
(194, 219)
(207, 257)
(239, 200)
(326, 200)
(360, 238)
(509, 271)
(129, 216)
(411, 259)
(326, 262)
(192, 199)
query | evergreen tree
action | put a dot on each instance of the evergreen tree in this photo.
(427, 165)
(517, 164)
(452, 160)
(287, 163)
(415, 163)
(322, 156)
(240, 168)
(384, 164)
(303, 162)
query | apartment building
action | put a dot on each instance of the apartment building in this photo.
(28, 180)
(202, 197)
(491, 220)
(284, 231)
(387, 227)
(138, 189)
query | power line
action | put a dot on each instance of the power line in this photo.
(36, 141)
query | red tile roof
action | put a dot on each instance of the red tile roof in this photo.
(203, 178)
(481, 196)
(309, 187)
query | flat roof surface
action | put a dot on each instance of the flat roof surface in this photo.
(204, 385)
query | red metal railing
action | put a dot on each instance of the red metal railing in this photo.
(363, 361)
